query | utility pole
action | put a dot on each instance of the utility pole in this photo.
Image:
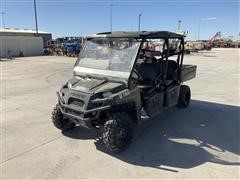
(3, 20)
(35, 11)
(179, 24)
(199, 28)
(139, 22)
(111, 5)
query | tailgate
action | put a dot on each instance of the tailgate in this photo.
(188, 72)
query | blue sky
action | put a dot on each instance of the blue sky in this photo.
(79, 17)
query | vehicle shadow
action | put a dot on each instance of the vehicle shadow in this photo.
(82, 133)
(183, 138)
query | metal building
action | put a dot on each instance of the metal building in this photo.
(22, 42)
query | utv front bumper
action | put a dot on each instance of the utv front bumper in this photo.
(78, 115)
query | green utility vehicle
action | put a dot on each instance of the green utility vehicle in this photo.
(120, 77)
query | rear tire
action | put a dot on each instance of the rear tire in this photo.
(59, 121)
(118, 132)
(184, 96)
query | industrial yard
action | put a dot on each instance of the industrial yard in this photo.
(119, 89)
(201, 141)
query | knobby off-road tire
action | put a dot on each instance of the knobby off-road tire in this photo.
(184, 96)
(118, 132)
(59, 121)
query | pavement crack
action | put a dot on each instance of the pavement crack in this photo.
(33, 148)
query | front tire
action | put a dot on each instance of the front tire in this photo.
(59, 121)
(184, 96)
(118, 132)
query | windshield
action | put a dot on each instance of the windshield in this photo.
(108, 56)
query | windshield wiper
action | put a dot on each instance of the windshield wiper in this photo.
(88, 76)
(106, 79)
(96, 77)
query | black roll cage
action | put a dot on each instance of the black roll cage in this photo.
(179, 54)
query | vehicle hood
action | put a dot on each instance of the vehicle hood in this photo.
(93, 85)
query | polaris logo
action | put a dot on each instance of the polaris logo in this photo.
(124, 93)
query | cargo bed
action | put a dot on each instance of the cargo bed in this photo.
(188, 72)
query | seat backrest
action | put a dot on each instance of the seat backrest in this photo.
(171, 67)
(150, 71)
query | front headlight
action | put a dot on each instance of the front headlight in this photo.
(106, 94)
(69, 85)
